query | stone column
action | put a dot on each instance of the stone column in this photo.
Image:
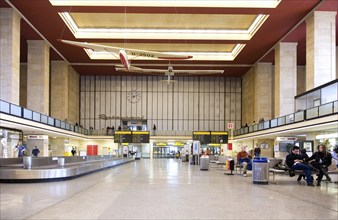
(65, 92)
(301, 79)
(285, 78)
(263, 91)
(320, 48)
(23, 85)
(248, 97)
(59, 90)
(38, 76)
(9, 55)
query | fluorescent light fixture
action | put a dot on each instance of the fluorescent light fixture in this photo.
(177, 34)
(326, 136)
(172, 3)
(226, 56)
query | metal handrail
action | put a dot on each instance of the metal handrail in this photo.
(296, 117)
(18, 111)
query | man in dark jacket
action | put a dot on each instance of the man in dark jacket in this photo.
(295, 162)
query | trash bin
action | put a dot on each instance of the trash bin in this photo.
(61, 161)
(204, 163)
(27, 162)
(260, 170)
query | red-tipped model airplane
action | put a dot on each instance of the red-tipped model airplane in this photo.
(123, 53)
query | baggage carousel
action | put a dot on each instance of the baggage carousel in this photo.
(46, 169)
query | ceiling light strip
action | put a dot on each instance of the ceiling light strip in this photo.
(171, 3)
(163, 64)
(141, 33)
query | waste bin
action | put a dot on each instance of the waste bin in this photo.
(27, 162)
(204, 163)
(260, 170)
(61, 161)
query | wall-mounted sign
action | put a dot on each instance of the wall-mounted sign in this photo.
(105, 117)
(131, 137)
(286, 138)
(37, 137)
(211, 137)
(231, 125)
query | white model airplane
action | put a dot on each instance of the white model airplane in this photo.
(122, 53)
(169, 72)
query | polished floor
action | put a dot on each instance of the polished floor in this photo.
(167, 189)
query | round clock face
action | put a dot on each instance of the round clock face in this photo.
(134, 96)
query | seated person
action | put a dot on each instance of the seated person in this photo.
(304, 158)
(243, 159)
(322, 160)
(295, 162)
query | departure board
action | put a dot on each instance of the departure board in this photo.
(123, 137)
(219, 137)
(141, 136)
(202, 136)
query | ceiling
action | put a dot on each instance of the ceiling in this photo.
(220, 37)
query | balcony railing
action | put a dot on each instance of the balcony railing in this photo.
(15, 110)
(304, 115)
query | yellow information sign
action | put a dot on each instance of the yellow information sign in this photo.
(201, 133)
(122, 132)
(219, 133)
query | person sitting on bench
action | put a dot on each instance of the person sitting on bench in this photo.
(295, 162)
(243, 159)
(322, 160)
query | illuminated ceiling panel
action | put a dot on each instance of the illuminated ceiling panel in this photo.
(180, 31)
(172, 3)
(163, 21)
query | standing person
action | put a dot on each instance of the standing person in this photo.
(243, 159)
(257, 151)
(73, 151)
(35, 151)
(335, 155)
(322, 160)
(21, 149)
(295, 162)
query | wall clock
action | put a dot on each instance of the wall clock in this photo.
(134, 96)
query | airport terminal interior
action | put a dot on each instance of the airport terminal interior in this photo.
(220, 109)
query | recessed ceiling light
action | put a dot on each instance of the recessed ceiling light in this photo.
(172, 3)
(158, 33)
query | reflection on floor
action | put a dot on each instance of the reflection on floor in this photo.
(167, 189)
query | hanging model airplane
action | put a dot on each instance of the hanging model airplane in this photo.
(169, 72)
(122, 53)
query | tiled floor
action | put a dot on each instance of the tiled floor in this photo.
(167, 189)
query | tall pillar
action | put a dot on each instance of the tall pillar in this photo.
(23, 85)
(248, 97)
(9, 55)
(301, 79)
(38, 76)
(320, 48)
(65, 92)
(263, 91)
(59, 90)
(285, 78)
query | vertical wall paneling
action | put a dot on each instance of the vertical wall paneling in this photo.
(193, 103)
